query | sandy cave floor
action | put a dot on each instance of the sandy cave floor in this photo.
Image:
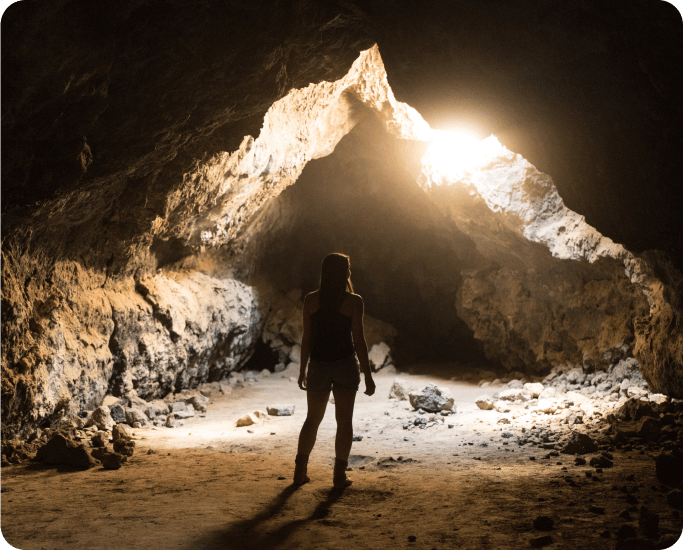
(211, 485)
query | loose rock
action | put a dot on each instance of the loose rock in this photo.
(280, 410)
(431, 399)
(484, 402)
(579, 443)
(60, 450)
(101, 417)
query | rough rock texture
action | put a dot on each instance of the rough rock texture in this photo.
(60, 450)
(431, 399)
(125, 156)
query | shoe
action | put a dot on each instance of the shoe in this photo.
(300, 469)
(340, 481)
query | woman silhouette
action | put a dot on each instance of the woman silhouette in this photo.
(333, 337)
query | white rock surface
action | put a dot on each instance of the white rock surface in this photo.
(534, 388)
(379, 355)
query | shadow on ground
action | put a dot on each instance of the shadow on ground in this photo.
(249, 535)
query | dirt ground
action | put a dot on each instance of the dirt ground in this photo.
(210, 485)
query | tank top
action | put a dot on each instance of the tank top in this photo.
(331, 338)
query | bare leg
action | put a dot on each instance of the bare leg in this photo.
(317, 403)
(344, 402)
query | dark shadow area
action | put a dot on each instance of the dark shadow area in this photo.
(406, 255)
(247, 535)
(264, 358)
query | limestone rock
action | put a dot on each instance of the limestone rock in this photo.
(280, 410)
(135, 415)
(431, 399)
(59, 450)
(484, 402)
(101, 417)
(534, 389)
(120, 431)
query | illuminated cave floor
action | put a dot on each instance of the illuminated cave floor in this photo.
(211, 485)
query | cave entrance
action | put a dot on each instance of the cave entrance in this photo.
(406, 255)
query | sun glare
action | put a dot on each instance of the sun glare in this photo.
(453, 154)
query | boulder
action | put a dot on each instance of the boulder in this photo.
(197, 401)
(60, 450)
(400, 390)
(484, 402)
(658, 398)
(120, 431)
(101, 417)
(534, 388)
(118, 413)
(178, 406)
(109, 460)
(189, 413)
(579, 443)
(431, 399)
(124, 447)
(157, 408)
(280, 410)
(135, 415)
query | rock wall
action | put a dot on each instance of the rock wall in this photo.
(75, 337)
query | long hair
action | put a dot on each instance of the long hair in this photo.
(335, 280)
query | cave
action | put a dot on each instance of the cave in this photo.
(504, 181)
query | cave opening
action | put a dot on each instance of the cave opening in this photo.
(363, 200)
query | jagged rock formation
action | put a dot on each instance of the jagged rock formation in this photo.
(125, 163)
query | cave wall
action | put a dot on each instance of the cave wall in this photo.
(124, 151)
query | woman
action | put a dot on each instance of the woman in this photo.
(333, 337)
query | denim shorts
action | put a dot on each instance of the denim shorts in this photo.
(343, 374)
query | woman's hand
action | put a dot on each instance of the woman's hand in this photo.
(369, 385)
(302, 379)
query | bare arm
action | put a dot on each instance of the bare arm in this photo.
(360, 345)
(305, 343)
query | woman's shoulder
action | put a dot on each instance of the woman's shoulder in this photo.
(355, 299)
(311, 300)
